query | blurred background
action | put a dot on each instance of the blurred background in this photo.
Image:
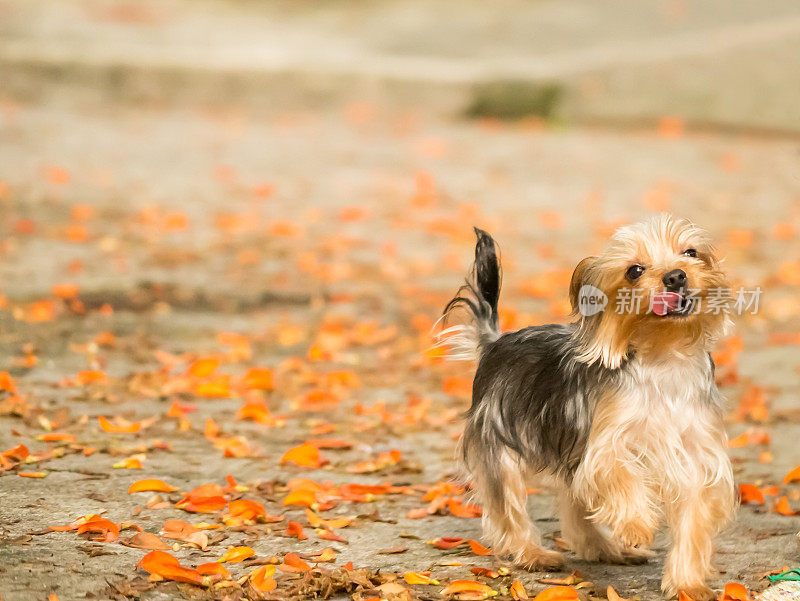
(306, 174)
(403, 122)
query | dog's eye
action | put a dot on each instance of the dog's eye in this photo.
(690, 252)
(634, 272)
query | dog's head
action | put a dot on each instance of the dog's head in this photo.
(662, 290)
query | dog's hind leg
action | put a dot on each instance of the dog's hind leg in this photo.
(500, 487)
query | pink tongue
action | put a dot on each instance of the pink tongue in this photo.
(664, 302)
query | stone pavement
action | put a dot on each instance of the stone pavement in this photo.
(334, 237)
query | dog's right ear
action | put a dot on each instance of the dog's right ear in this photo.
(578, 280)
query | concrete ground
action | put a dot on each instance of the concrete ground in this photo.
(353, 233)
(328, 237)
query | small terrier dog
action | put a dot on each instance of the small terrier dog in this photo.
(620, 407)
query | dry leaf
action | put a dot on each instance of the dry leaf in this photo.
(146, 540)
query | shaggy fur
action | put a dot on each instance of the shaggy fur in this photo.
(619, 407)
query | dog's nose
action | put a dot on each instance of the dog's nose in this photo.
(674, 280)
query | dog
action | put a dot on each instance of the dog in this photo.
(620, 407)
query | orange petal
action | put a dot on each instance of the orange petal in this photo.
(326, 555)
(134, 462)
(331, 443)
(463, 510)
(151, 485)
(557, 593)
(782, 507)
(74, 525)
(216, 387)
(293, 563)
(478, 548)
(7, 382)
(108, 530)
(300, 497)
(750, 494)
(178, 529)
(203, 499)
(316, 521)
(123, 428)
(259, 378)
(472, 588)
(90, 376)
(296, 529)
(793, 476)
(257, 412)
(211, 429)
(213, 567)
(202, 505)
(237, 554)
(518, 592)
(56, 437)
(202, 368)
(740, 441)
(155, 560)
(306, 455)
(448, 542)
(734, 591)
(243, 510)
(330, 535)
(181, 574)
(612, 595)
(262, 578)
(419, 578)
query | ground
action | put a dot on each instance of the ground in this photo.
(154, 252)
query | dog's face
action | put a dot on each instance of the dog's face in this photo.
(664, 288)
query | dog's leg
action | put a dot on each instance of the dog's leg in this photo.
(591, 540)
(694, 519)
(500, 489)
(611, 479)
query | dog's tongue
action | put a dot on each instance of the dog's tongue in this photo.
(664, 302)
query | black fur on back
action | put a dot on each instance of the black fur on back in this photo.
(531, 395)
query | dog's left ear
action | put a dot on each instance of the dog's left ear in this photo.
(599, 335)
(578, 280)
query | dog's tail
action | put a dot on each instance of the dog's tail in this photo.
(478, 299)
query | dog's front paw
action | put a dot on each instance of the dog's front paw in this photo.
(634, 534)
(696, 592)
(636, 556)
(608, 550)
(539, 559)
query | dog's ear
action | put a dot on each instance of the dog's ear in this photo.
(600, 335)
(578, 280)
